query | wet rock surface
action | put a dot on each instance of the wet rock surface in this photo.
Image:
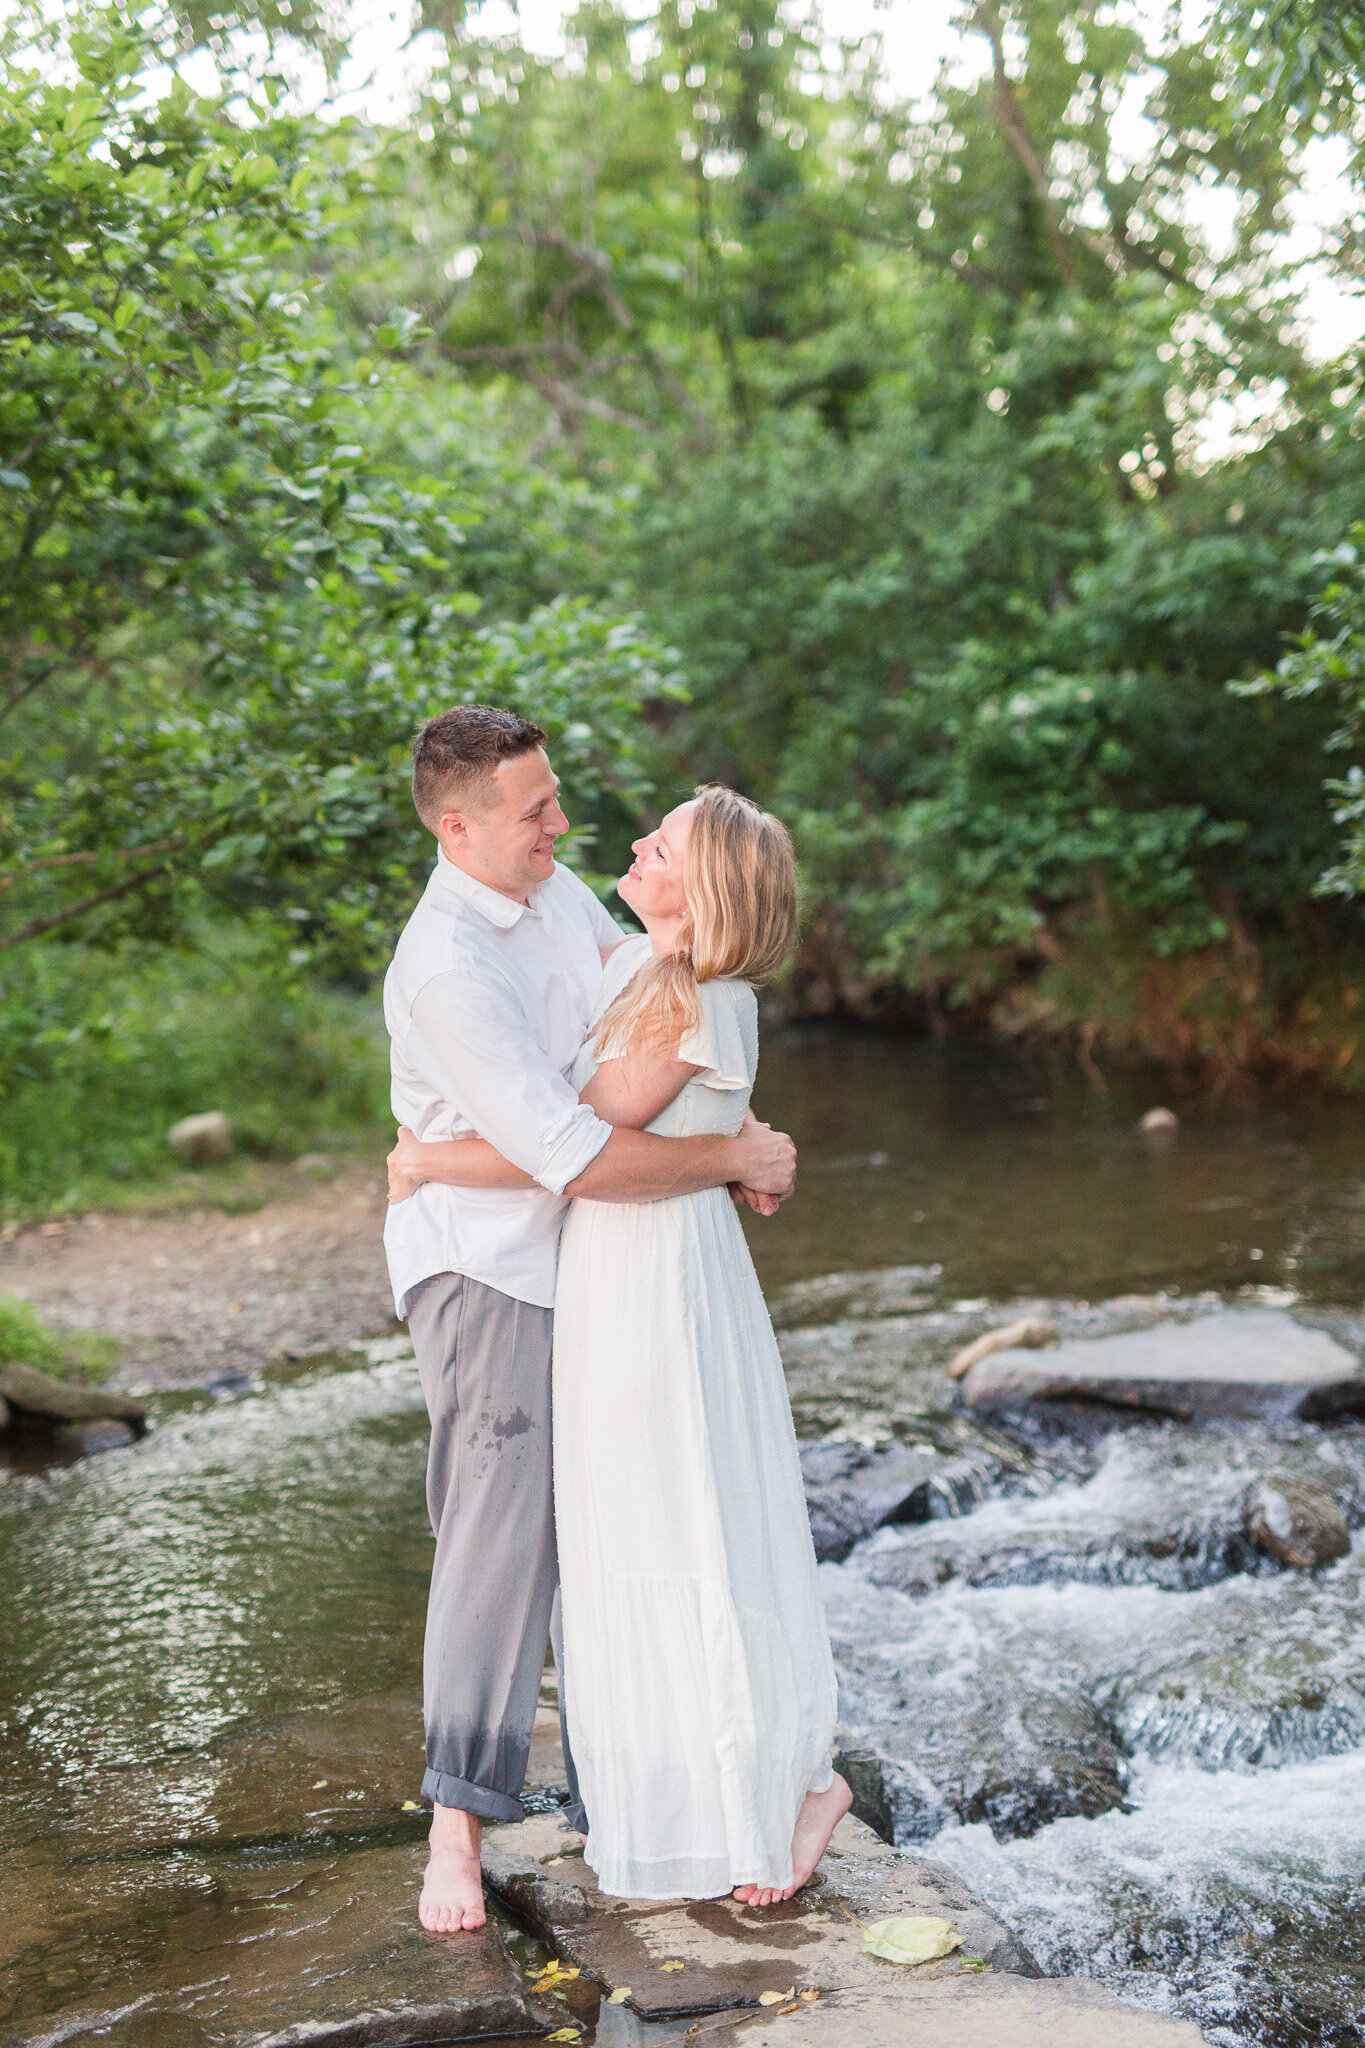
(326, 1953)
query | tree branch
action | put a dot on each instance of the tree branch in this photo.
(38, 925)
(986, 16)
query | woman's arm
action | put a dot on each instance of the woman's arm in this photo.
(630, 1092)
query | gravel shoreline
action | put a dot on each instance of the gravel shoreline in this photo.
(192, 1299)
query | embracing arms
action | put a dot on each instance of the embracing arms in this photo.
(633, 1165)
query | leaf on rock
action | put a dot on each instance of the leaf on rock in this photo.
(922, 1938)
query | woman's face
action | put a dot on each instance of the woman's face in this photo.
(653, 884)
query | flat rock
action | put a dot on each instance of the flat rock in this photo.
(327, 1954)
(1249, 1362)
(36, 1397)
(731, 1954)
(972, 2012)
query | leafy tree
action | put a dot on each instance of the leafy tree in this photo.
(220, 619)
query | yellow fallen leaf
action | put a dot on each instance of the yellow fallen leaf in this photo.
(809, 1996)
(773, 1997)
(921, 1938)
(672, 1966)
(320, 1786)
(411, 1806)
(619, 1995)
(566, 2034)
(554, 1973)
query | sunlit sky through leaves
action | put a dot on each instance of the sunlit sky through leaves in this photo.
(386, 65)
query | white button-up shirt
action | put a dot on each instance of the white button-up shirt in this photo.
(487, 1002)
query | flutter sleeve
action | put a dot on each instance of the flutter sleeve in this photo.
(725, 1042)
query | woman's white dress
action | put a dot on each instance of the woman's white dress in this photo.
(699, 1684)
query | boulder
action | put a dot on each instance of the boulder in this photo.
(6, 1415)
(1297, 1523)
(861, 1768)
(1159, 1120)
(852, 1489)
(37, 1399)
(1247, 1362)
(198, 1139)
(1012, 1754)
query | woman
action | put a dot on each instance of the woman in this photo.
(699, 1686)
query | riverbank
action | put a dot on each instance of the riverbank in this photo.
(201, 1295)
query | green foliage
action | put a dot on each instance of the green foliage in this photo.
(1327, 667)
(102, 1050)
(964, 453)
(25, 1339)
(221, 619)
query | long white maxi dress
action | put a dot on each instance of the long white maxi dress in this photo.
(699, 1683)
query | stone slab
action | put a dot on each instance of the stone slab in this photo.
(323, 1954)
(731, 1954)
(1250, 1362)
(969, 2012)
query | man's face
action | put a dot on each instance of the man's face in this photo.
(506, 838)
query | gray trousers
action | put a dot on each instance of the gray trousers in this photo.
(484, 1361)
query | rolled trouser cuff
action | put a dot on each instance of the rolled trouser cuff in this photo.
(444, 1790)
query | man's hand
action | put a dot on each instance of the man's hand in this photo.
(405, 1166)
(767, 1161)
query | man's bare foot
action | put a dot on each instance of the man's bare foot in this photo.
(820, 1815)
(452, 1890)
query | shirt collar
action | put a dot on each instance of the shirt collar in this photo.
(499, 910)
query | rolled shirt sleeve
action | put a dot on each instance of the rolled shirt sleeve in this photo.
(471, 1041)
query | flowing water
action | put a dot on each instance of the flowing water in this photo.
(1141, 1742)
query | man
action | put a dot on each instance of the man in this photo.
(487, 1001)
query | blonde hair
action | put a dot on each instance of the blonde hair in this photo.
(739, 879)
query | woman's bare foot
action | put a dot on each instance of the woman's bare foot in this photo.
(820, 1815)
(452, 1890)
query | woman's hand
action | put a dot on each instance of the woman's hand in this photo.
(407, 1171)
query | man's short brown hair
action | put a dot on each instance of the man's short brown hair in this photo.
(458, 750)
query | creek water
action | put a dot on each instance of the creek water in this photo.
(1145, 1748)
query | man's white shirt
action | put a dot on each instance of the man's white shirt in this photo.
(487, 1003)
